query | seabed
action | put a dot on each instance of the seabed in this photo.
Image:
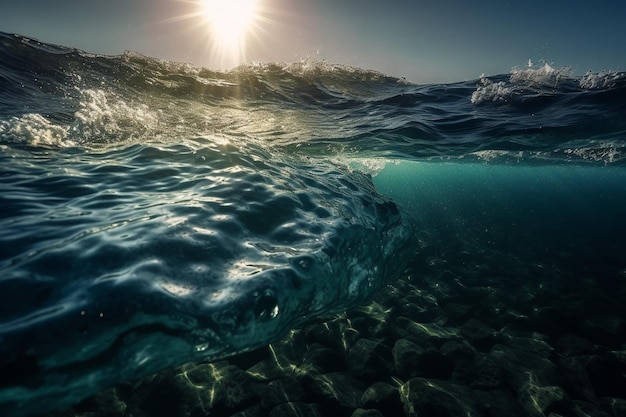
(473, 340)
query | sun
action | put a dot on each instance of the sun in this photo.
(229, 23)
(223, 27)
(229, 20)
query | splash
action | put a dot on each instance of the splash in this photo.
(543, 76)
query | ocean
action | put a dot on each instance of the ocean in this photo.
(155, 214)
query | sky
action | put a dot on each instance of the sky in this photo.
(434, 41)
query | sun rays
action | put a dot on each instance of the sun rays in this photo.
(223, 27)
(229, 20)
(229, 23)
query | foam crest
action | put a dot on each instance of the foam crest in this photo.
(598, 151)
(543, 76)
(519, 82)
(488, 91)
(104, 117)
(602, 80)
(34, 129)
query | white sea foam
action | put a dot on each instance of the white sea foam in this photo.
(531, 77)
(543, 76)
(34, 129)
(369, 166)
(495, 154)
(489, 91)
(601, 80)
(602, 151)
(103, 114)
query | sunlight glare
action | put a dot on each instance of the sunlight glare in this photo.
(223, 27)
(229, 21)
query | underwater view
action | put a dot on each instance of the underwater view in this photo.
(307, 239)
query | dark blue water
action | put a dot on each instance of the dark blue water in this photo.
(154, 213)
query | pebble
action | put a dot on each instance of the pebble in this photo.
(383, 397)
(370, 360)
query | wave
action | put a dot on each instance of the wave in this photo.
(136, 261)
(68, 98)
(544, 80)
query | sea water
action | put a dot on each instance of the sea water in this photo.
(154, 213)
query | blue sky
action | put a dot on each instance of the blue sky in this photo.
(424, 41)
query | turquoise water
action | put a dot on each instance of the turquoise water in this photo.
(547, 214)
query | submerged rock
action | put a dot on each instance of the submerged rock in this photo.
(295, 409)
(283, 391)
(423, 397)
(383, 397)
(320, 359)
(337, 392)
(370, 360)
(411, 360)
(360, 412)
(479, 334)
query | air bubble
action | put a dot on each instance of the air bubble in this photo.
(266, 304)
